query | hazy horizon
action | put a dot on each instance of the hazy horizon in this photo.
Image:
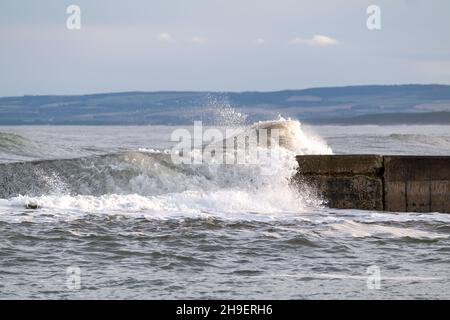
(229, 91)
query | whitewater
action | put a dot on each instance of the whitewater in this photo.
(111, 202)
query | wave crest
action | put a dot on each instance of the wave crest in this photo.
(149, 180)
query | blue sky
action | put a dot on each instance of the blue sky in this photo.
(220, 45)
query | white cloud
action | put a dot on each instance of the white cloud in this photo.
(198, 40)
(260, 41)
(317, 40)
(165, 37)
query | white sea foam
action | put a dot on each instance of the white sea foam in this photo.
(359, 230)
(294, 138)
(147, 184)
(258, 186)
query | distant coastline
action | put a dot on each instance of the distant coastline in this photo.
(377, 104)
(429, 118)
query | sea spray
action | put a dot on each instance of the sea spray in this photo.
(150, 181)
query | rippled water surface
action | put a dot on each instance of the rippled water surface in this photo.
(137, 226)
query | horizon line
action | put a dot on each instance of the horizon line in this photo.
(221, 91)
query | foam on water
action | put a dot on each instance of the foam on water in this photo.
(148, 182)
(294, 138)
(356, 229)
(141, 226)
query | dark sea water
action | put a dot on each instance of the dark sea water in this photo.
(132, 224)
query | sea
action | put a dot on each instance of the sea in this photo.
(104, 212)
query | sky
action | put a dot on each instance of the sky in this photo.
(219, 45)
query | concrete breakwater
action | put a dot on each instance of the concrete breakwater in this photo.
(376, 182)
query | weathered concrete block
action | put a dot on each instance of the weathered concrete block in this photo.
(395, 196)
(416, 168)
(417, 183)
(345, 181)
(344, 192)
(440, 196)
(393, 183)
(340, 164)
(418, 197)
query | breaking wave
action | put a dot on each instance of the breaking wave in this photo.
(148, 180)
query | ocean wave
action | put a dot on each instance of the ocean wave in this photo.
(362, 230)
(431, 140)
(149, 180)
(13, 145)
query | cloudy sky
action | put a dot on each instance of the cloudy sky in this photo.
(220, 45)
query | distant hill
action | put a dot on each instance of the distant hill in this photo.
(391, 119)
(353, 104)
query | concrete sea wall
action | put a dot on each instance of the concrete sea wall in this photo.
(375, 182)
